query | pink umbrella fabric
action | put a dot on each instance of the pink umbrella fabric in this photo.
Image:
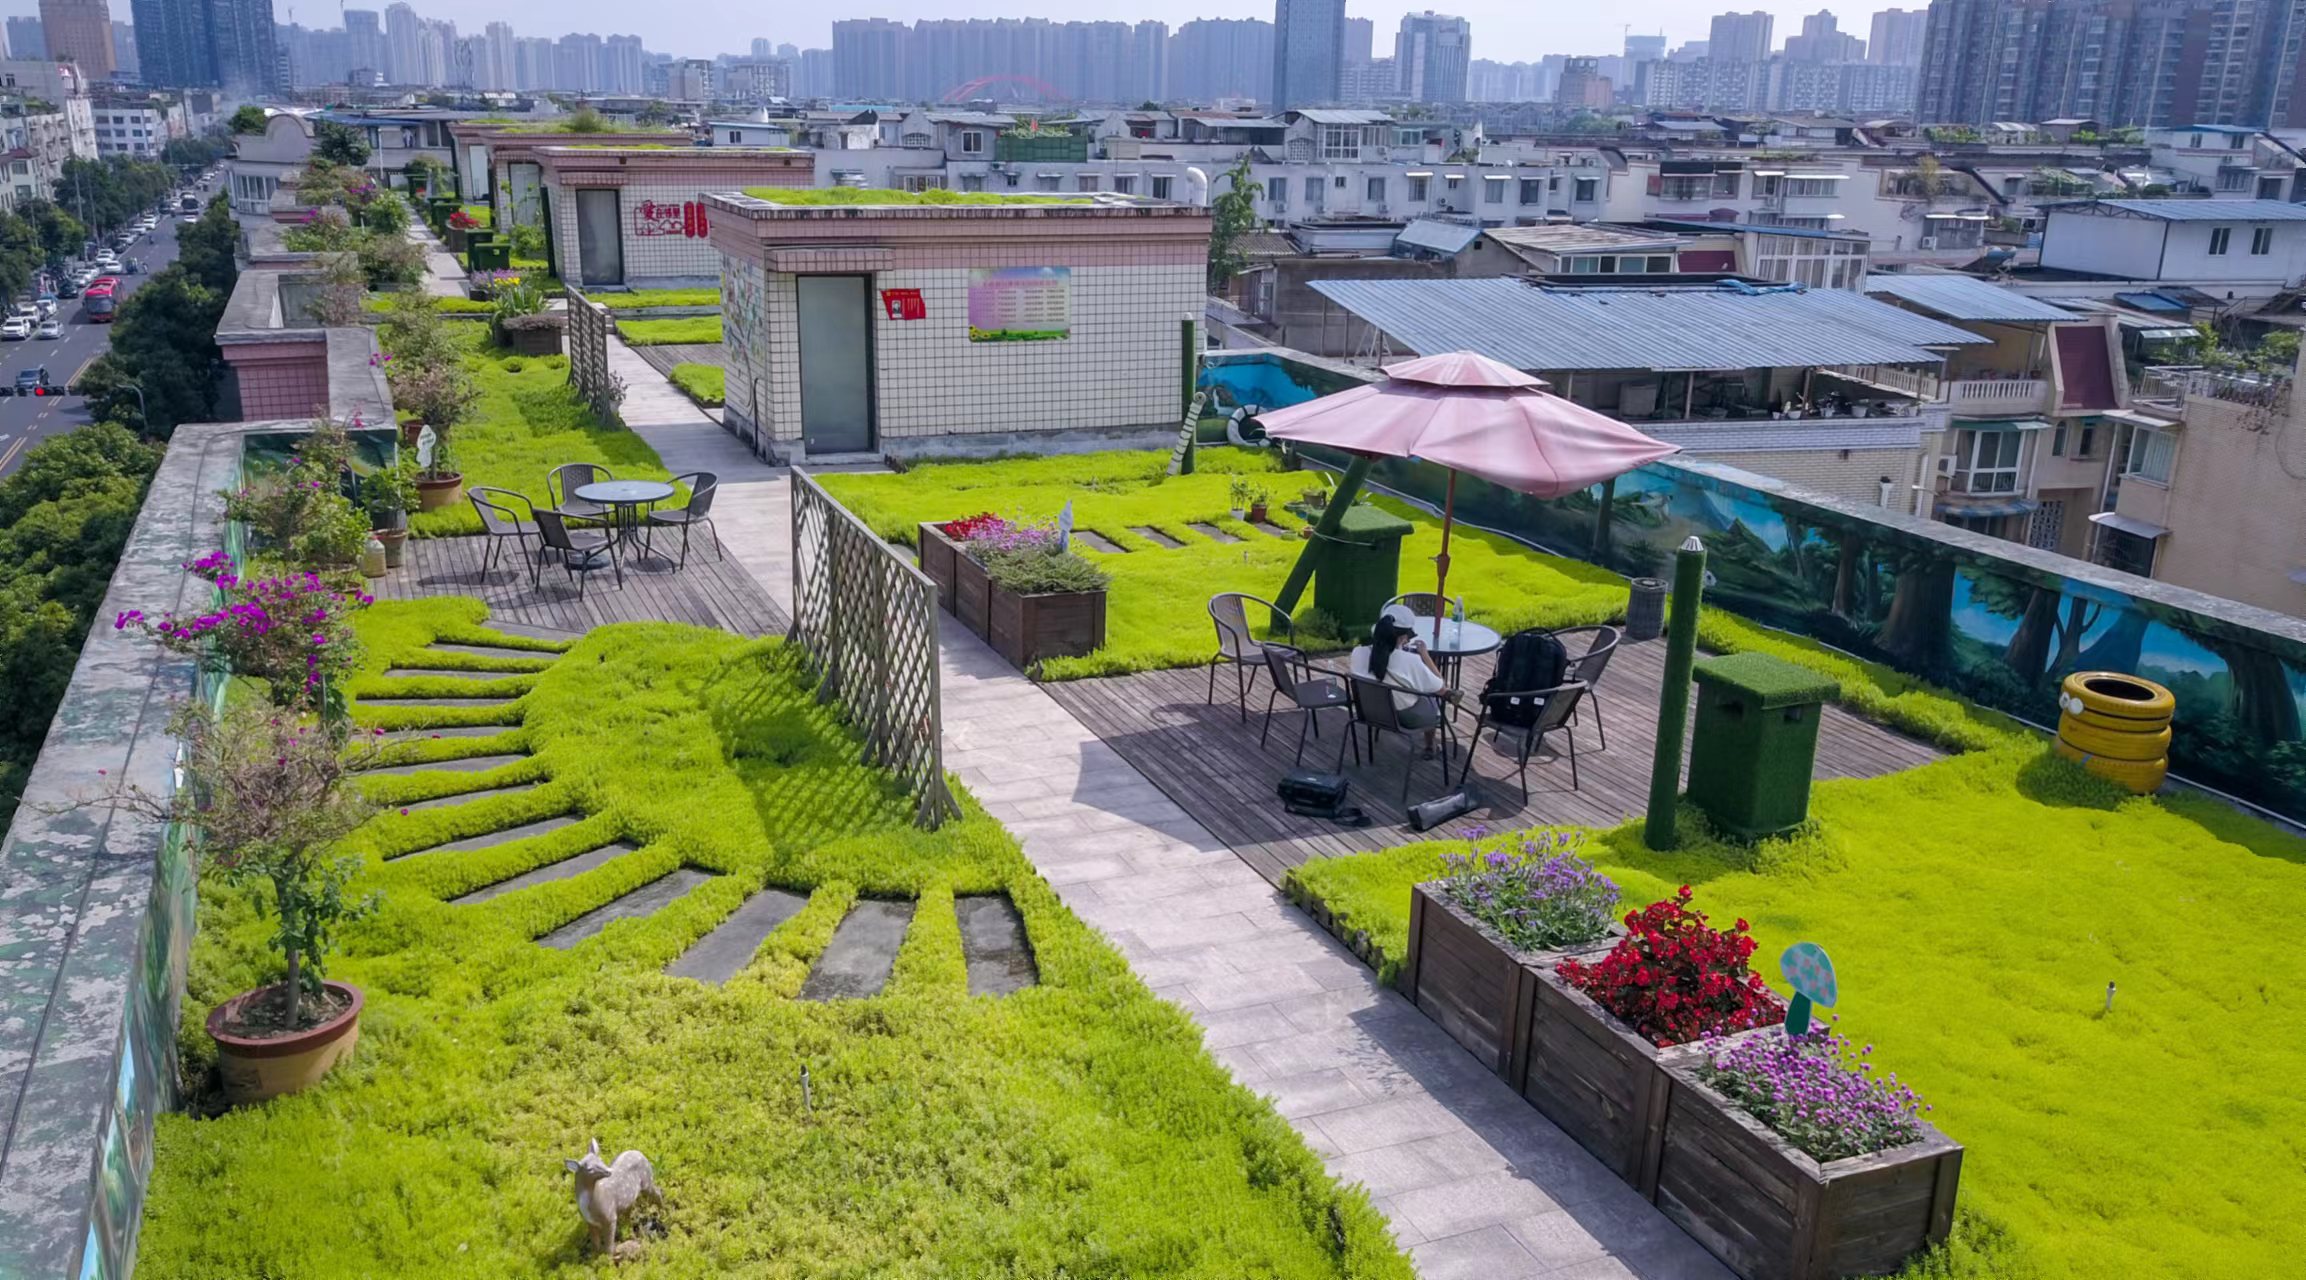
(1472, 414)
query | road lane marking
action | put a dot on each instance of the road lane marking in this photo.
(8, 458)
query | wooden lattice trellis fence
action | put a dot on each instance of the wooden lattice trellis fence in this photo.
(867, 618)
(588, 354)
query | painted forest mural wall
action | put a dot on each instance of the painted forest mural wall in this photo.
(1998, 631)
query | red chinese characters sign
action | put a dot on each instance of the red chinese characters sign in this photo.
(904, 304)
(664, 218)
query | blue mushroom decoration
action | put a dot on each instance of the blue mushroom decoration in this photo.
(1811, 971)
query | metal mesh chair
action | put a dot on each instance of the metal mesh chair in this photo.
(702, 486)
(1230, 611)
(1293, 679)
(501, 518)
(1586, 668)
(562, 482)
(1374, 712)
(580, 550)
(1424, 604)
(1555, 707)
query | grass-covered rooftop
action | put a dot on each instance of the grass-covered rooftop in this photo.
(824, 196)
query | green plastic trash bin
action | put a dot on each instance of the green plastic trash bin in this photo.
(1359, 569)
(1756, 740)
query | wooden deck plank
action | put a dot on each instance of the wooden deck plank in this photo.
(708, 593)
(1203, 757)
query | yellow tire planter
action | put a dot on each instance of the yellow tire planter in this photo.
(2117, 726)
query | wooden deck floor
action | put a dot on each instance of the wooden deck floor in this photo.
(664, 356)
(708, 593)
(1208, 761)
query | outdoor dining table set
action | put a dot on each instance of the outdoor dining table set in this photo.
(1522, 719)
(591, 520)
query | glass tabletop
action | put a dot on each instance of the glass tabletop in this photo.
(618, 492)
(1457, 639)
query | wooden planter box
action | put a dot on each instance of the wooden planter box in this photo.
(1057, 624)
(938, 554)
(1591, 1075)
(1772, 1213)
(537, 340)
(1473, 983)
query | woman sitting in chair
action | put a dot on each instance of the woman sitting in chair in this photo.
(1397, 657)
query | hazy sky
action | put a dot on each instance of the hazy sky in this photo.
(1504, 30)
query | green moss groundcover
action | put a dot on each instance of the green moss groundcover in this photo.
(1976, 910)
(822, 196)
(707, 384)
(678, 330)
(1073, 1129)
(631, 299)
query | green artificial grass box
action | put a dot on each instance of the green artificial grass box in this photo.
(1756, 741)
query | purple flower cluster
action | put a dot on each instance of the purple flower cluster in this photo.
(274, 628)
(998, 534)
(1813, 1092)
(1537, 891)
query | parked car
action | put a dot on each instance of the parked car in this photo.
(49, 328)
(15, 329)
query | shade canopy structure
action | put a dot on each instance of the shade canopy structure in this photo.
(1475, 415)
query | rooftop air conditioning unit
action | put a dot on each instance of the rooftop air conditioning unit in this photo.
(1946, 465)
(1929, 242)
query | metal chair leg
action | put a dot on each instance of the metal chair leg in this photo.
(1594, 700)
(715, 530)
(1311, 721)
(1213, 678)
(1241, 686)
(1573, 758)
(1268, 725)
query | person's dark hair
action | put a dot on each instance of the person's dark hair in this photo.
(1384, 638)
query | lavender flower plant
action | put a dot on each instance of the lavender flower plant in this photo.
(1537, 892)
(1813, 1092)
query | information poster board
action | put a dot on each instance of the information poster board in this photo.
(1020, 304)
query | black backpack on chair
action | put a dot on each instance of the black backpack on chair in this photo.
(1530, 659)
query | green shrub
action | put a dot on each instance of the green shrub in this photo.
(678, 330)
(1076, 1128)
(1033, 572)
(704, 383)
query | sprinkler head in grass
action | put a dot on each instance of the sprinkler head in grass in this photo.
(1806, 966)
(2109, 997)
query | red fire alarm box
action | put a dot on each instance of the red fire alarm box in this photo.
(904, 304)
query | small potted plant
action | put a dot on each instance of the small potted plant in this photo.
(387, 493)
(1259, 498)
(1239, 492)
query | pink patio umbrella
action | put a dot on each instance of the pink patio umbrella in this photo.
(1470, 413)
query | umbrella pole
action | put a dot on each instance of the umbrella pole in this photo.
(1441, 562)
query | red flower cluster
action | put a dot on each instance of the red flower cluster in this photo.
(969, 527)
(1674, 978)
(462, 221)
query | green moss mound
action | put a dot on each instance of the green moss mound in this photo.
(1076, 1128)
(707, 384)
(664, 333)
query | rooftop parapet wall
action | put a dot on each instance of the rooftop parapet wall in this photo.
(1997, 622)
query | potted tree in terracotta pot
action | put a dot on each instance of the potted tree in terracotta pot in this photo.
(438, 395)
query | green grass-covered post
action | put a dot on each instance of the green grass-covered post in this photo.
(1673, 703)
(1189, 374)
(1340, 501)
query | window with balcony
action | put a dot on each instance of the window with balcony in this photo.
(2261, 241)
(2220, 239)
(1986, 461)
(1725, 184)
(2152, 455)
(1811, 187)
(1680, 187)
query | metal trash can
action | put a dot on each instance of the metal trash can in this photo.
(1756, 742)
(1360, 568)
(1645, 609)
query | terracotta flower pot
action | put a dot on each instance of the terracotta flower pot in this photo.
(257, 1068)
(395, 545)
(435, 492)
(409, 431)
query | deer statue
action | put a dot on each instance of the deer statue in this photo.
(606, 1193)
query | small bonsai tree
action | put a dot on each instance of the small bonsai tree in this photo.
(439, 395)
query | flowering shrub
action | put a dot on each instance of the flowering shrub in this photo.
(1675, 979)
(1541, 896)
(293, 631)
(1813, 1092)
(1026, 557)
(462, 221)
(302, 513)
(968, 526)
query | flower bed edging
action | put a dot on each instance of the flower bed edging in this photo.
(1768, 1210)
(1472, 982)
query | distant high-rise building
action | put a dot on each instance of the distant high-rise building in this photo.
(208, 43)
(404, 45)
(1741, 37)
(124, 63)
(688, 79)
(79, 31)
(1688, 51)
(1431, 55)
(1213, 58)
(621, 61)
(813, 74)
(869, 59)
(577, 62)
(1308, 51)
(1645, 48)
(1897, 37)
(1583, 86)
(1487, 81)
(532, 63)
(26, 40)
(1822, 40)
(363, 41)
(762, 48)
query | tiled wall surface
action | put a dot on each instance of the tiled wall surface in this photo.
(645, 177)
(280, 380)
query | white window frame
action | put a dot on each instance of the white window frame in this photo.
(1420, 190)
(1975, 471)
(972, 142)
(2261, 241)
(2153, 456)
(2221, 239)
(1341, 142)
(1493, 190)
(1374, 189)
(1160, 183)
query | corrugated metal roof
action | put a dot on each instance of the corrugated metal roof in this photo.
(1965, 298)
(1436, 236)
(1323, 115)
(2197, 210)
(1566, 330)
(1583, 237)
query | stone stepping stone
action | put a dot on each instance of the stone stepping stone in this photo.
(491, 839)
(1096, 541)
(863, 952)
(466, 797)
(1268, 527)
(721, 954)
(565, 869)
(993, 943)
(646, 900)
(1212, 532)
(469, 764)
(444, 731)
(488, 651)
(449, 673)
(526, 631)
(437, 702)
(1154, 536)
